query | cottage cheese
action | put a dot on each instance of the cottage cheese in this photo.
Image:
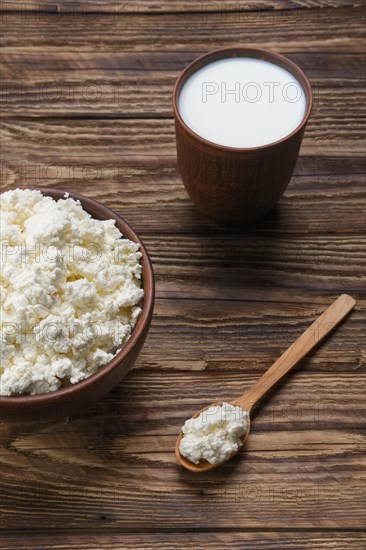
(214, 435)
(70, 289)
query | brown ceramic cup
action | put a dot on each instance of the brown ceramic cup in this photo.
(229, 185)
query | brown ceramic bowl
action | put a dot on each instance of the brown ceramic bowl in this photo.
(231, 185)
(75, 398)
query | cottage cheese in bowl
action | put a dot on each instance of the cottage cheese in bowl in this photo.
(70, 292)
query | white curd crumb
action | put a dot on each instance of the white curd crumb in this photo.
(70, 292)
(214, 435)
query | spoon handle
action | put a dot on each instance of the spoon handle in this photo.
(307, 341)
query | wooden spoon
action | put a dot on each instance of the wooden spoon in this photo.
(303, 345)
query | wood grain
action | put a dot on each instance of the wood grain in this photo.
(119, 139)
(244, 336)
(145, 188)
(163, 6)
(309, 406)
(311, 338)
(318, 30)
(86, 106)
(126, 93)
(99, 467)
(74, 85)
(33, 66)
(188, 541)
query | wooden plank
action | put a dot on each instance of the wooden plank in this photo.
(264, 288)
(148, 191)
(317, 30)
(337, 135)
(126, 94)
(241, 338)
(285, 263)
(268, 540)
(98, 7)
(104, 468)
(301, 419)
(280, 438)
(245, 337)
(30, 65)
(249, 268)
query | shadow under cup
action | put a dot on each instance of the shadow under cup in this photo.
(232, 185)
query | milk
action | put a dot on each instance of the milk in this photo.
(242, 102)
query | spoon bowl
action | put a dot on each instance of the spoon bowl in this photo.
(204, 465)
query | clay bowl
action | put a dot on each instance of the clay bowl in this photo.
(75, 398)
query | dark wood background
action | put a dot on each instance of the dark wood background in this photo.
(86, 107)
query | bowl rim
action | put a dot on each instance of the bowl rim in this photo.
(141, 325)
(241, 51)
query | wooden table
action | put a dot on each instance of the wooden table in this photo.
(86, 105)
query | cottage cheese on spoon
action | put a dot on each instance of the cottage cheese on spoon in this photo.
(214, 435)
(70, 292)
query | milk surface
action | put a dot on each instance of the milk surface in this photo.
(242, 102)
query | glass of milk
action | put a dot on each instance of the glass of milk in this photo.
(240, 115)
